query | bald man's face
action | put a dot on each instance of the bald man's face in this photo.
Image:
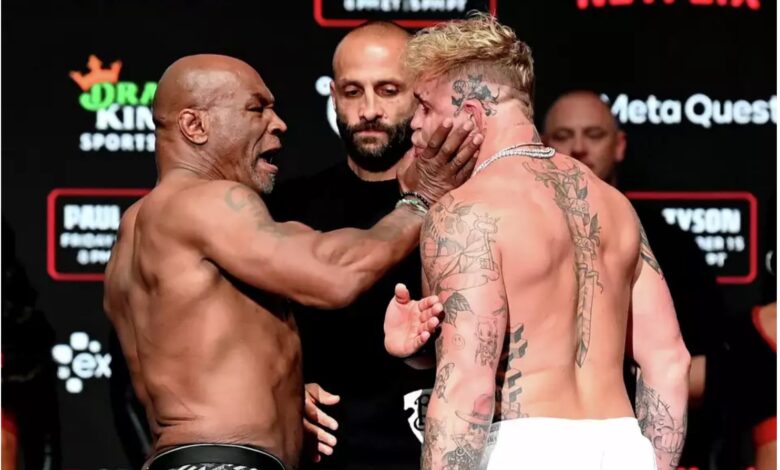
(373, 100)
(247, 129)
(581, 125)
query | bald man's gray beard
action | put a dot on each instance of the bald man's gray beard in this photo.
(382, 157)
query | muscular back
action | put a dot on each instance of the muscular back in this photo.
(542, 256)
(211, 358)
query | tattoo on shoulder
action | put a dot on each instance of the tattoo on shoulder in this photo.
(474, 89)
(570, 187)
(245, 201)
(457, 246)
(658, 424)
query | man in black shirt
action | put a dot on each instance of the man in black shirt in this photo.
(381, 400)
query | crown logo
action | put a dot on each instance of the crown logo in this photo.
(97, 74)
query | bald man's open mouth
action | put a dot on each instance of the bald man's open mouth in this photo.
(265, 160)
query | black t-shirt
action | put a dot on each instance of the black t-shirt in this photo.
(383, 400)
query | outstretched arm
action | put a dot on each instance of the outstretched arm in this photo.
(231, 226)
(462, 267)
(658, 348)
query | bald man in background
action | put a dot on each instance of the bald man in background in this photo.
(580, 124)
(199, 282)
(371, 405)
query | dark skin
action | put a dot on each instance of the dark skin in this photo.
(198, 282)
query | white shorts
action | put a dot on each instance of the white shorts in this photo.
(566, 444)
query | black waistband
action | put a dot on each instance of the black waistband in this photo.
(193, 454)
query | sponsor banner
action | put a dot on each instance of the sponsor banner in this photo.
(82, 229)
(122, 109)
(80, 359)
(723, 224)
(406, 13)
(698, 109)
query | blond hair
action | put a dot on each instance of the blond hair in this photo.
(479, 45)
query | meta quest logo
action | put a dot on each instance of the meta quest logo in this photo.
(123, 115)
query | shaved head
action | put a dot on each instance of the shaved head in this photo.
(382, 33)
(580, 98)
(198, 81)
(372, 94)
(581, 125)
(213, 115)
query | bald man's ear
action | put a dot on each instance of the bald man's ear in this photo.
(620, 147)
(193, 124)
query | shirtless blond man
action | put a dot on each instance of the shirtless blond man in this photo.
(198, 282)
(546, 280)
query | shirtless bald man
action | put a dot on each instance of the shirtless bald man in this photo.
(197, 283)
(542, 269)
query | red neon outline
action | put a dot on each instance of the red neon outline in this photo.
(704, 196)
(51, 200)
(351, 23)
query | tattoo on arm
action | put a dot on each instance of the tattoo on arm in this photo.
(470, 445)
(474, 89)
(243, 200)
(442, 377)
(646, 252)
(658, 424)
(570, 186)
(487, 345)
(434, 442)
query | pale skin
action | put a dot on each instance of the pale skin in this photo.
(580, 124)
(506, 253)
(198, 282)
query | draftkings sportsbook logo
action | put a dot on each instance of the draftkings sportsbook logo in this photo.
(79, 360)
(123, 115)
(407, 13)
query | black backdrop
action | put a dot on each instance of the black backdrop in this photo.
(705, 150)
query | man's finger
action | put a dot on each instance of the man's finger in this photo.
(321, 435)
(464, 163)
(325, 397)
(402, 295)
(324, 449)
(428, 302)
(319, 417)
(437, 139)
(452, 144)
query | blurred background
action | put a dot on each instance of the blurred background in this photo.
(691, 82)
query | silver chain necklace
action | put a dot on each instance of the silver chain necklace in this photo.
(519, 150)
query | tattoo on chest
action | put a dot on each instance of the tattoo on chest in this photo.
(508, 390)
(570, 186)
